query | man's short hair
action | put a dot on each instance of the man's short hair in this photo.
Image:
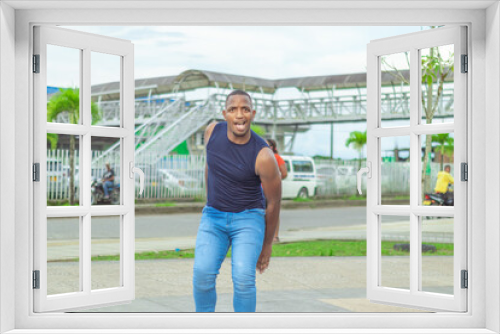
(447, 166)
(239, 92)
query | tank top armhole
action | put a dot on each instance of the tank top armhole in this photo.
(214, 132)
(257, 152)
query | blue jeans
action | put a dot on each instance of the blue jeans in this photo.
(107, 186)
(244, 233)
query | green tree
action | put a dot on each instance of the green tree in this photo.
(445, 145)
(67, 100)
(435, 70)
(52, 138)
(258, 129)
(357, 140)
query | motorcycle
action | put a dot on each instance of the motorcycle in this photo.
(439, 199)
(97, 193)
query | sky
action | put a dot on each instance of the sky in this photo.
(270, 52)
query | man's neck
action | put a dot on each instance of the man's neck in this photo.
(238, 140)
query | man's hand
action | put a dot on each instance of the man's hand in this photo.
(264, 258)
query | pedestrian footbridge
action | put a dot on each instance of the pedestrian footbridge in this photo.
(169, 110)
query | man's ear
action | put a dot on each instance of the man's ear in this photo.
(224, 114)
(253, 114)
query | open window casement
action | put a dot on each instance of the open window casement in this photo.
(429, 69)
(65, 65)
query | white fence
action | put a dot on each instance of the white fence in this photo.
(182, 176)
(172, 176)
(338, 178)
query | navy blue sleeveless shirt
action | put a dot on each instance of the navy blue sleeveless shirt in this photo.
(232, 183)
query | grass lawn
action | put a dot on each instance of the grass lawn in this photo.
(165, 204)
(306, 248)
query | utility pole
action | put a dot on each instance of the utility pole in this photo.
(331, 140)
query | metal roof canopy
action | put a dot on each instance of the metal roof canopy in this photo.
(194, 79)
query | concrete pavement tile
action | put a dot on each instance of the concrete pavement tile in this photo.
(139, 305)
(297, 305)
(364, 305)
(284, 295)
(175, 303)
(341, 293)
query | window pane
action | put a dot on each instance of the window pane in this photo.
(437, 254)
(63, 84)
(302, 166)
(63, 165)
(106, 171)
(437, 89)
(63, 255)
(437, 171)
(105, 252)
(105, 77)
(395, 251)
(395, 170)
(395, 88)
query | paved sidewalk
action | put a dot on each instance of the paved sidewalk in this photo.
(314, 284)
(293, 284)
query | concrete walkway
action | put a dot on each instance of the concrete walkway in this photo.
(315, 284)
(294, 284)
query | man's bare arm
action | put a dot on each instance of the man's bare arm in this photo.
(208, 133)
(267, 168)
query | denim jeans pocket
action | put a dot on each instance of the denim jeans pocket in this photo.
(259, 211)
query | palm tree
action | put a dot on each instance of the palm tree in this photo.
(445, 145)
(358, 140)
(52, 138)
(68, 100)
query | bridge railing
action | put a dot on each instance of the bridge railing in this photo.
(342, 107)
(394, 105)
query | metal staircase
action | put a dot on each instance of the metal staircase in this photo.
(172, 125)
(178, 129)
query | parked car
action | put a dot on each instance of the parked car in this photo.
(301, 180)
(326, 174)
(180, 182)
(159, 181)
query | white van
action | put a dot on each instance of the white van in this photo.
(301, 178)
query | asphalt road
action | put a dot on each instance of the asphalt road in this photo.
(186, 224)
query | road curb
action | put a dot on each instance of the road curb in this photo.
(287, 204)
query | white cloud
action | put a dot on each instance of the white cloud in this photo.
(267, 52)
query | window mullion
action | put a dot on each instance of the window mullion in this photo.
(85, 114)
(414, 170)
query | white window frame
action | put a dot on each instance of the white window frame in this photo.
(123, 50)
(414, 296)
(484, 101)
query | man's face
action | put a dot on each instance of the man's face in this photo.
(447, 169)
(108, 167)
(239, 115)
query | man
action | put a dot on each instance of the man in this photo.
(108, 180)
(444, 178)
(238, 163)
